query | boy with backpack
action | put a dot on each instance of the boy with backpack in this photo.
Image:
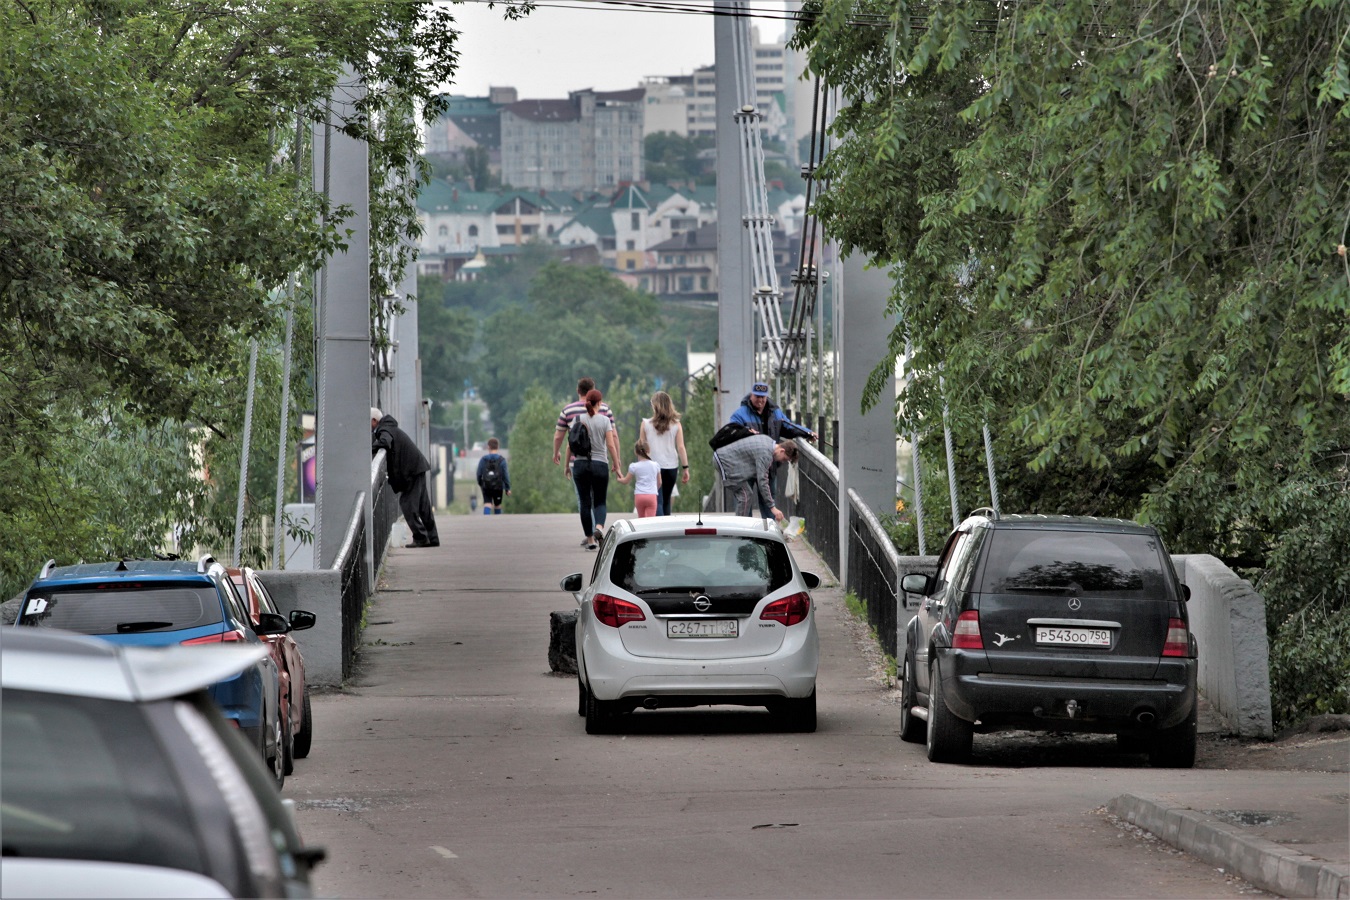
(493, 479)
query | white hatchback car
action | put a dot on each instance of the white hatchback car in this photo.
(686, 611)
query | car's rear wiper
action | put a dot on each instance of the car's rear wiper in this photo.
(131, 627)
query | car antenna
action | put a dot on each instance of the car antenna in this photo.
(699, 523)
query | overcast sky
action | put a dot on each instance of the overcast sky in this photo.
(555, 50)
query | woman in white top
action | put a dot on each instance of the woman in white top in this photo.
(664, 437)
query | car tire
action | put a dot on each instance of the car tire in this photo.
(912, 728)
(1174, 748)
(288, 745)
(948, 737)
(581, 697)
(798, 714)
(305, 736)
(600, 715)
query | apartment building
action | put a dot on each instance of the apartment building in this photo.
(590, 141)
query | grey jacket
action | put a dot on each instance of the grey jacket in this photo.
(749, 459)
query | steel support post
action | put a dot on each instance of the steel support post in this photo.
(866, 439)
(735, 319)
(342, 421)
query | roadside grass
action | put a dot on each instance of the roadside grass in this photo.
(858, 611)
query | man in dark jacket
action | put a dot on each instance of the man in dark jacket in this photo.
(759, 413)
(407, 476)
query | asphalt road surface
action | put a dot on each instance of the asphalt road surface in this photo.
(454, 764)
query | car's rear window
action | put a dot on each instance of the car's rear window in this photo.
(85, 779)
(1074, 562)
(701, 561)
(133, 609)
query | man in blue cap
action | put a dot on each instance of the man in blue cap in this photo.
(760, 414)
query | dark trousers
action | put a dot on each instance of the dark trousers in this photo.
(592, 481)
(663, 496)
(415, 503)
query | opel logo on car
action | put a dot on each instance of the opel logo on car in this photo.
(1075, 603)
(702, 603)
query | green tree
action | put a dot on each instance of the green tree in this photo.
(150, 210)
(671, 158)
(579, 321)
(537, 485)
(1120, 233)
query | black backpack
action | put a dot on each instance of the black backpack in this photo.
(729, 433)
(492, 475)
(579, 439)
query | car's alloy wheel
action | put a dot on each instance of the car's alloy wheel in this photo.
(948, 738)
(1174, 748)
(305, 735)
(912, 728)
(599, 715)
(277, 761)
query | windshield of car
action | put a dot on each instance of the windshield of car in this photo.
(85, 779)
(1122, 565)
(706, 562)
(117, 609)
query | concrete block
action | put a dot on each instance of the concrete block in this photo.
(320, 592)
(562, 641)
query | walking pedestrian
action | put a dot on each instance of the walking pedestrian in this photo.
(569, 414)
(494, 478)
(664, 437)
(591, 466)
(408, 470)
(760, 413)
(645, 476)
(747, 465)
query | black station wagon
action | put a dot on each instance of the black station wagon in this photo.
(1051, 623)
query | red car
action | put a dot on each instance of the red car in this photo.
(294, 700)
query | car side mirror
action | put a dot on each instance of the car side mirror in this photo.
(1185, 592)
(915, 583)
(271, 623)
(571, 583)
(811, 580)
(300, 620)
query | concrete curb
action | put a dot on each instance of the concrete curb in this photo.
(1265, 864)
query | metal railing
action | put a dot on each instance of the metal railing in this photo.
(818, 502)
(384, 509)
(356, 586)
(874, 572)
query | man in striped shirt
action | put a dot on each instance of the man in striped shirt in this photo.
(571, 411)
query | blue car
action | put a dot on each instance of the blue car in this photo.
(164, 602)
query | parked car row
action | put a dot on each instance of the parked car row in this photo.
(1052, 623)
(164, 602)
(152, 710)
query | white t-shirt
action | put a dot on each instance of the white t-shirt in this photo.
(647, 476)
(661, 447)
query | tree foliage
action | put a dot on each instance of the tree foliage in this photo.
(1120, 233)
(151, 208)
(578, 321)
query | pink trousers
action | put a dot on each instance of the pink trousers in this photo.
(646, 505)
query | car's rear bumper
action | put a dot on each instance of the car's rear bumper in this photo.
(613, 674)
(1063, 703)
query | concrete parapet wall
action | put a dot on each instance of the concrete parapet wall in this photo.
(320, 592)
(1228, 619)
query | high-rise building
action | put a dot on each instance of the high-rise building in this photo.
(590, 141)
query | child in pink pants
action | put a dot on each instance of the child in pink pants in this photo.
(645, 476)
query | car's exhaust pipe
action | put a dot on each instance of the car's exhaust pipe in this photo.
(649, 703)
(1145, 717)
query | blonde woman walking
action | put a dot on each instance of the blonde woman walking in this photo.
(664, 437)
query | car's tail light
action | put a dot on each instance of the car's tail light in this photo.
(700, 531)
(1178, 641)
(789, 610)
(615, 612)
(967, 633)
(224, 637)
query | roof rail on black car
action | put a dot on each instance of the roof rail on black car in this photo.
(986, 511)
